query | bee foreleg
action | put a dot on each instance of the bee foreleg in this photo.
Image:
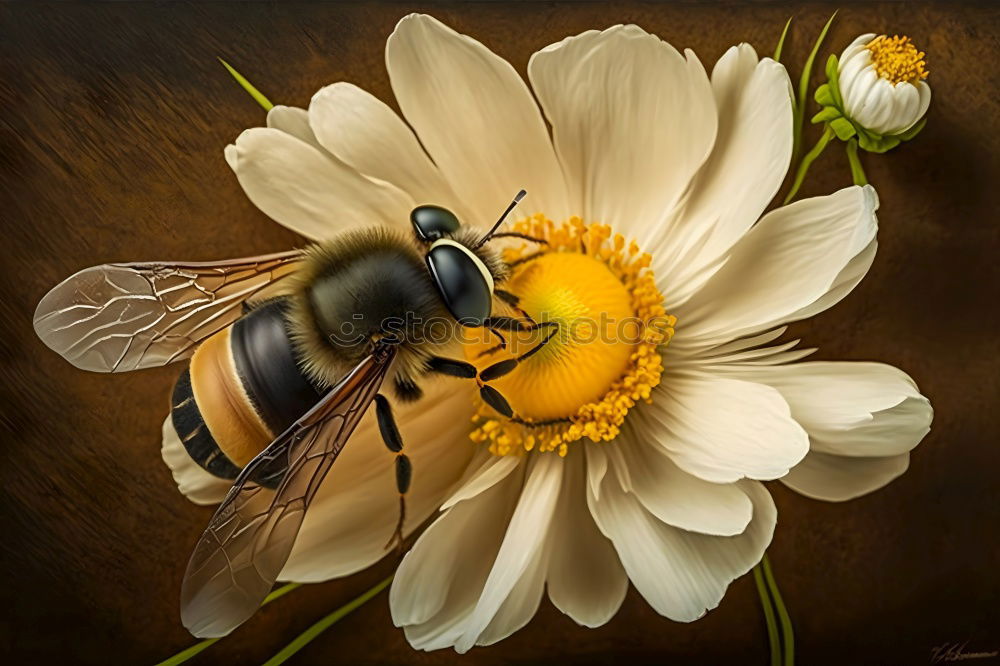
(404, 468)
(525, 259)
(515, 234)
(513, 301)
(501, 368)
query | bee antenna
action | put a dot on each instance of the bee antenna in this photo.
(517, 199)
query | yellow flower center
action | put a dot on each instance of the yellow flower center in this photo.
(897, 59)
(603, 357)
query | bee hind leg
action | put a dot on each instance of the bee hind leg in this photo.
(404, 468)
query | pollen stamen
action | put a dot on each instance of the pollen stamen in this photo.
(897, 59)
(577, 387)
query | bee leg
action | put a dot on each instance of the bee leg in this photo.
(404, 469)
(513, 301)
(501, 368)
(514, 234)
(406, 390)
(527, 258)
(453, 368)
(494, 331)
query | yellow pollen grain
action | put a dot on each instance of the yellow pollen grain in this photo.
(583, 383)
(897, 59)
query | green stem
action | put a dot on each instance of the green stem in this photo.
(772, 626)
(249, 87)
(195, 649)
(857, 171)
(787, 633)
(807, 160)
(800, 106)
(312, 632)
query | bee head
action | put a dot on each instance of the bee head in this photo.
(465, 271)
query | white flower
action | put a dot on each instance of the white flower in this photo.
(882, 83)
(670, 496)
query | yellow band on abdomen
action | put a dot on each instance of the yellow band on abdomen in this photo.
(224, 404)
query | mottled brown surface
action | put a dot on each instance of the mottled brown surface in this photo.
(114, 119)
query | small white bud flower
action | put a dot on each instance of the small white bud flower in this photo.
(882, 85)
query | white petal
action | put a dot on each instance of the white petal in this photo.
(585, 578)
(850, 73)
(765, 355)
(880, 109)
(355, 510)
(855, 47)
(907, 107)
(632, 121)
(441, 577)
(925, 99)
(307, 191)
(521, 603)
(742, 175)
(484, 476)
(597, 467)
(525, 536)
(851, 409)
(676, 497)
(721, 429)
(476, 118)
(295, 121)
(367, 135)
(681, 574)
(833, 478)
(192, 480)
(794, 257)
(857, 93)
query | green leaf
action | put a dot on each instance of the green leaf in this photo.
(325, 623)
(781, 41)
(807, 160)
(784, 620)
(773, 639)
(800, 109)
(843, 128)
(246, 85)
(195, 649)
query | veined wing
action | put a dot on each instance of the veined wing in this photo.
(250, 537)
(121, 317)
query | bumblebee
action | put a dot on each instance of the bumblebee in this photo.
(287, 352)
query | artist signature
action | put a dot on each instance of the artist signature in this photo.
(949, 652)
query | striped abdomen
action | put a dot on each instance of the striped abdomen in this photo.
(243, 388)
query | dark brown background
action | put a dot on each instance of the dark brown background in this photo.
(113, 121)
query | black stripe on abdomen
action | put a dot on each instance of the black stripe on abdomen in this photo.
(194, 434)
(268, 368)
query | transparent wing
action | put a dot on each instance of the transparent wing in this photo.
(121, 317)
(248, 540)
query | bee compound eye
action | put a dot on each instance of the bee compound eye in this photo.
(461, 284)
(432, 222)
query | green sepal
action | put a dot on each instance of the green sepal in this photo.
(874, 143)
(913, 131)
(833, 77)
(828, 114)
(824, 97)
(843, 128)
